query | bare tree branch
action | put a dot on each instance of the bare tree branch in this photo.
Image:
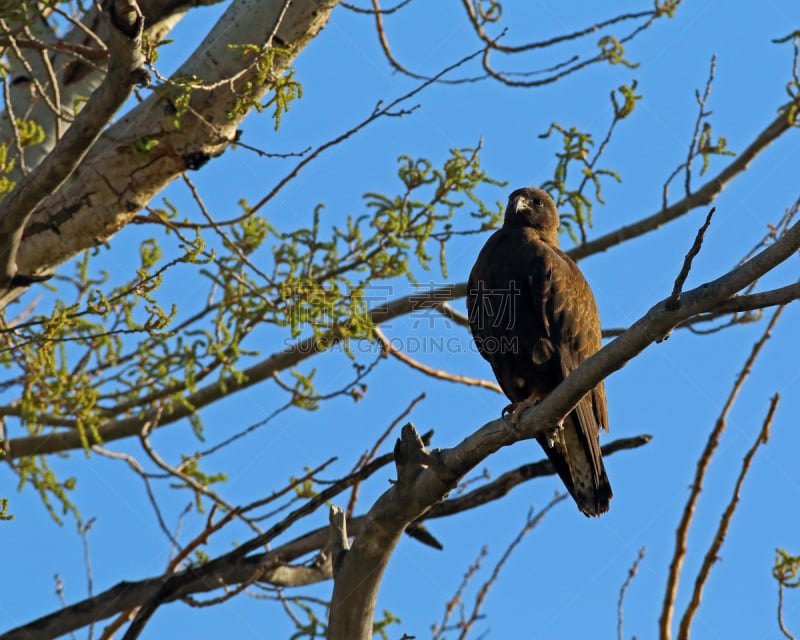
(531, 522)
(505, 482)
(274, 565)
(440, 374)
(781, 624)
(621, 602)
(703, 196)
(682, 531)
(712, 555)
(675, 299)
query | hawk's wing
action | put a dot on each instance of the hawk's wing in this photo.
(568, 312)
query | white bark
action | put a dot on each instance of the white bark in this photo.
(115, 180)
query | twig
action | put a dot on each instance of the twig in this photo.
(213, 527)
(494, 44)
(620, 603)
(60, 595)
(12, 122)
(51, 76)
(530, 524)
(702, 196)
(712, 555)
(133, 463)
(146, 611)
(224, 237)
(384, 41)
(781, 624)
(702, 113)
(87, 563)
(244, 432)
(385, 12)
(379, 111)
(174, 551)
(389, 348)
(55, 107)
(278, 22)
(229, 593)
(674, 301)
(450, 605)
(180, 475)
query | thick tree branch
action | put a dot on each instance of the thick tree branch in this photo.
(124, 70)
(737, 304)
(274, 564)
(426, 477)
(117, 179)
(356, 583)
(78, 59)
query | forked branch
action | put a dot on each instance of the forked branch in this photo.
(424, 477)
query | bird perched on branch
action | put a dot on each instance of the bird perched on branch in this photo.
(534, 318)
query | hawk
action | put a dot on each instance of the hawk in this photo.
(534, 318)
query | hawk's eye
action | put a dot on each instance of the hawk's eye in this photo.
(538, 203)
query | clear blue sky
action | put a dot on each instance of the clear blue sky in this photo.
(563, 581)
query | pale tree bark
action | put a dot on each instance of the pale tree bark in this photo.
(77, 61)
(116, 179)
(125, 24)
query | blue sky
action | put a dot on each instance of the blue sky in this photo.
(563, 581)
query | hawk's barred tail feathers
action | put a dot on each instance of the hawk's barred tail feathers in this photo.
(578, 463)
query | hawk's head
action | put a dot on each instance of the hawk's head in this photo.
(532, 207)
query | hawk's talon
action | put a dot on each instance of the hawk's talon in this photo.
(552, 433)
(509, 408)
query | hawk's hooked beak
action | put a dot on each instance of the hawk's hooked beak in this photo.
(520, 204)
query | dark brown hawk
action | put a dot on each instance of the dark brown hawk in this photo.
(534, 319)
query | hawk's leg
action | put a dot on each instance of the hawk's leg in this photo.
(519, 407)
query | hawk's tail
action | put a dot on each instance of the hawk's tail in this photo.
(575, 454)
